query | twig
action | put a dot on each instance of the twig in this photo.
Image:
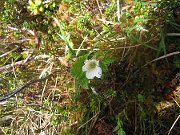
(18, 43)
(14, 49)
(118, 10)
(173, 124)
(32, 32)
(88, 120)
(176, 102)
(23, 29)
(84, 39)
(106, 22)
(173, 34)
(162, 57)
(15, 91)
(134, 46)
(18, 63)
(124, 47)
(99, 8)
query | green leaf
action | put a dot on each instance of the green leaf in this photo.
(54, 4)
(105, 62)
(41, 9)
(38, 2)
(121, 132)
(25, 54)
(76, 72)
(65, 36)
(140, 98)
(76, 69)
(116, 128)
(177, 62)
(35, 12)
(162, 45)
(30, 2)
(84, 82)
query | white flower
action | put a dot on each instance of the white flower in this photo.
(140, 28)
(92, 69)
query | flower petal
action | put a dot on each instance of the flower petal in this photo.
(98, 72)
(90, 74)
(92, 69)
(85, 68)
(86, 61)
(97, 63)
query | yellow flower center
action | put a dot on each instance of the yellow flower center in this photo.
(92, 65)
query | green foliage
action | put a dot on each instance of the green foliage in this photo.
(76, 72)
(8, 14)
(39, 6)
(177, 62)
(68, 132)
(76, 69)
(36, 7)
(119, 128)
(162, 45)
(111, 10)
(106, 61)
(169, 11)
(41, 36)
(140, 98)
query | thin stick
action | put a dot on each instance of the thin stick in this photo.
(14, 49)
(84, 39)
(99, 7)
(173, 34)
(162, 57)
(15, 91)
(89, 120)
(176, 102)
(118, 10)
(18, 63)
(173, 124)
